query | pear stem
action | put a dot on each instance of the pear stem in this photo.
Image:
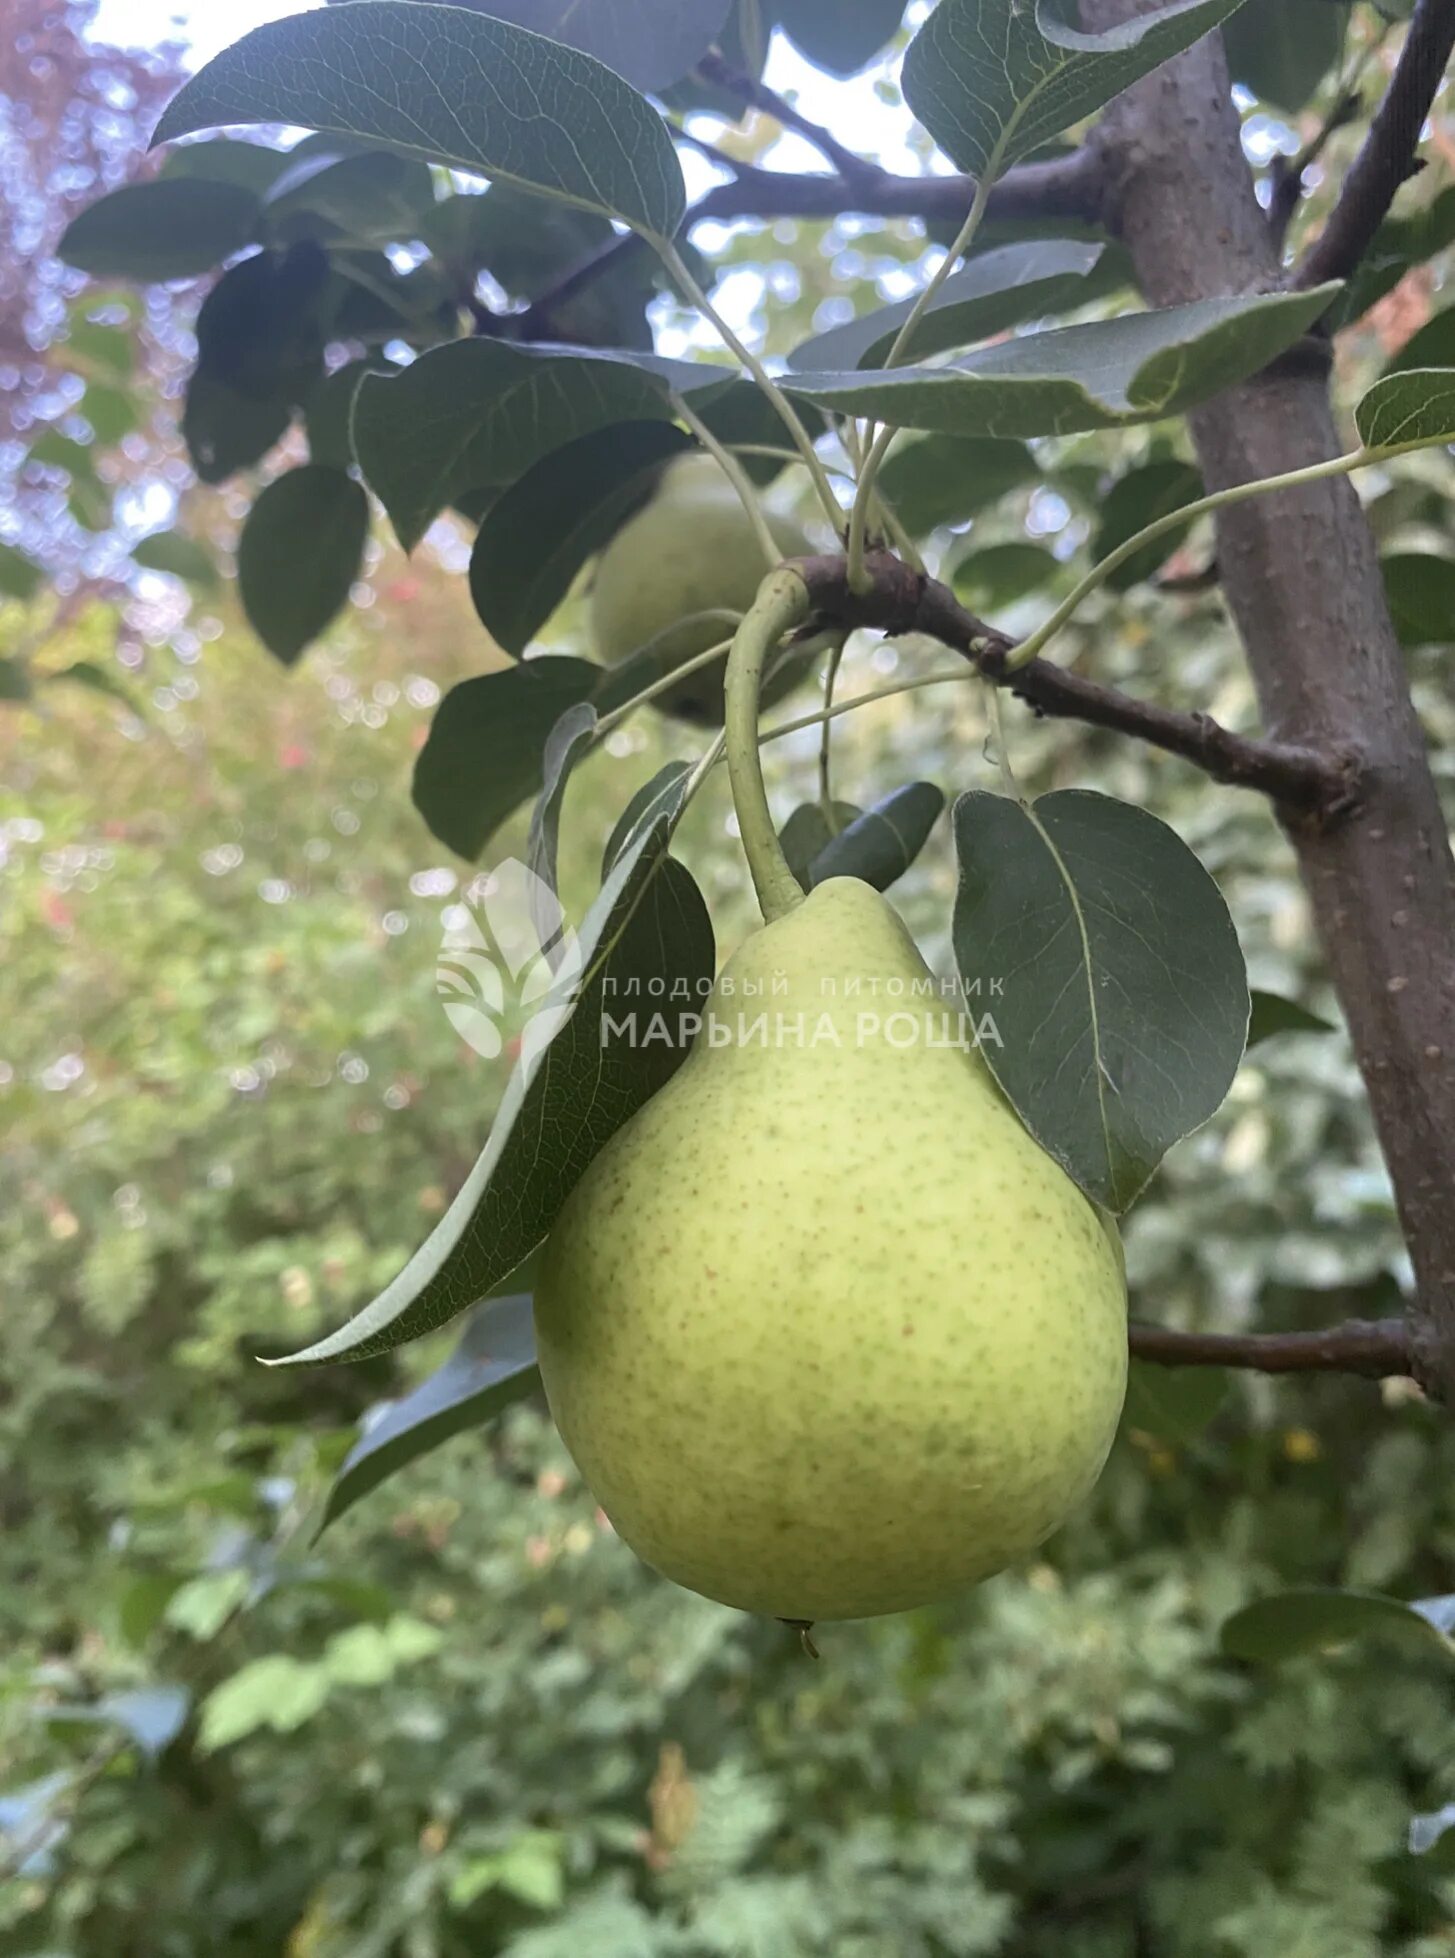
(782, 604)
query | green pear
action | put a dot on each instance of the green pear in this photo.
(827, 1333)
(690, 550)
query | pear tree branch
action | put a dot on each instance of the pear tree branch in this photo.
(1303, 781)
(1378, 1349)
(1387, 159)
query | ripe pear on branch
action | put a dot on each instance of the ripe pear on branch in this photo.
(828, 1334)
(673, 570)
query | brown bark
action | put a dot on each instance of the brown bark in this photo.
(1301, 575)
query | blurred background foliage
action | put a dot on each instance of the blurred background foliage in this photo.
(466, 1721)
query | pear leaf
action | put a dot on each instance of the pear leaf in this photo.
(453, 87)
(808, 832)
(578, 1079)
(1420, 588)
(1318, 1619)
(493, 1365)
(172, 228)
(1272, 1014)
(1139, 367)
(663, 791)
(881, 844)
(178, 555)
(839, 35)
(486, 746)
(1411, 408)
(1104, 955)
(650, 43)
(540, 532)
(567, 742)
(1173, 1403)
(947, 479)
(995, 291)
(299, 554)
(477, 414)
(993, 80)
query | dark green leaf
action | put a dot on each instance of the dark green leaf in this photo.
(1322, 1620)
(479, 413)
(172, 228)
(1282, 49)
(484, 754)
(1174, 1404)
(807, 833)
(1421, 592)
(1107, 374)
(259, 355)
(452, 87)
(298, 555)
(329, 410)
(1272, 1015)
(568, 742)
(1001, 574)
(842, 36)
(662, 792)
(574, 1086)
(650, 43)
(947, 479)
(1140, 498)
(1416, 407)
(993, 80)
(1400, 242)
(995, 291)
(1112, 972)
(493, 1365)
(880, 845)
(535, 539)
(256, 166)
(1432, 347)
(178, 555)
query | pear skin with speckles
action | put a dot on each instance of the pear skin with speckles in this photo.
(827, 1333)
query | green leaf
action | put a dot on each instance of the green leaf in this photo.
(1272, 1015)
(650, 43)
(842, 36)
(1108, 374)
(203, 1605)
(178, 555)
(947, 479)
(299, 554)
(484, 754)
(1420, 588)
(256, 166)
(1415, 407)
(1322, 1620)
(662, 792)
(568, 742)
(328, 413)
(259, 355)
(807, 833)
(1432, 347)
(1001, 574)
(535, 539)
(453, 87)
(373, 197)
(1282, 49)
(276, 1692)
(479, 413)
(171, 228)
(880, 845)
(493, 1365)
(110, 412)
(1400, 242)
(1174, 1404)
(20, 576)
(993, 80)
(574, 1086)
(993, 292)
(93, 345)
(57, 451)
(1137, 499)
(1111, 969)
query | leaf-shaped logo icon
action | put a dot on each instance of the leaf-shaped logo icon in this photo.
(507, 947)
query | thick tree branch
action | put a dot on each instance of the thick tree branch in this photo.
(1376, 1348)
(1388, 156)
(1313, 784)
(1070, 187)
(1300, 572)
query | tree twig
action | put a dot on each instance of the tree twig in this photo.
(756, 95)
(1288, 172)
(1071, 187)
(1388, 156)
(898, 599)
(1376, 1348)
